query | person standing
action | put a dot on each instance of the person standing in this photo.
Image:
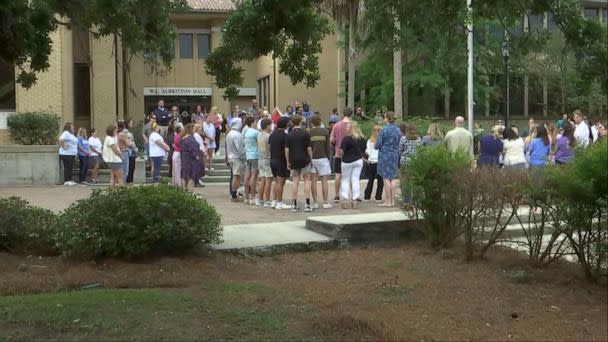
(199, 136)
(539, 148)
(490, 148)
(458, 139)
(210, 133)
(321, 168)
(163, 117)
(158, 149)
(216, 120)
(298, 153)
(352, 149)
(190, 157)
(565, 145)
(434, 136)
(372, 169)
(513, 150)
(264, 162)
(68, 149)
(338, 132)
(408, 145)
(176, 160)
(84, 152)
(582, 133)
(197, 116)
(253, 110)
(252, 155)
(388, 158)
(94, 159)
(278, 163)
(112, 156)
(124, 144)
(132, 151)
(235, 152)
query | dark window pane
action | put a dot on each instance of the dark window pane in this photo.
(590, 12)
(535, 22)
(550, 22)
(82, 90)
(185, 45)
(203, 45)
(605, 11)
(7, 85)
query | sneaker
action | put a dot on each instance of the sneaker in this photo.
(273, 205)
(236, 199)
(68, 183)
(212, 169)
(282, 206)
(294, 209)
(327, 206)
(308, 209)
(257, 202)
(337, 199)
(315, 206)
(267, 205)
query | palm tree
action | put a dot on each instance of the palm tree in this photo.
(347, 12)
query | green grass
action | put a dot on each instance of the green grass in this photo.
(393, 264)
(393, 293)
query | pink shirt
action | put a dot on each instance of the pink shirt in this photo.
(215, 120)
(176, 139)
(338, 131)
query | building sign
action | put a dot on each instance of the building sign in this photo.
(178, 91)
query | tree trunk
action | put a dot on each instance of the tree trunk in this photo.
(446, 99)
(351, 60)
(487, 97)
(526, 96)
(545, 97)
(397, 79)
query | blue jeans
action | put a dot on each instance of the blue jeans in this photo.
(518, 166)
(125, 164)
(83, 168)
(157, 162)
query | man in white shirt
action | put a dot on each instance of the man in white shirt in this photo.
(582, 132)
(459, 138)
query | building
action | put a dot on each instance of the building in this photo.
(88, 84)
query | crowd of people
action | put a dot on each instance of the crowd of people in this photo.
(263, 150)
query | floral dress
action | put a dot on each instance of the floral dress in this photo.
(407, 149)
(388, 155)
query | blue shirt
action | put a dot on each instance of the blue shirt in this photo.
(251, 144)
(538, 152)
(83, 143)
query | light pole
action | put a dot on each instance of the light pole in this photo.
(505, 56)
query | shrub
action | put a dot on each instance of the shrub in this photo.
(132, 222)
(432, 177)
(34, 128)
(25, 228)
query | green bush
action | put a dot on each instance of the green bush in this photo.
(433, 177)
(25, 228)
(34, 128)
(132, 222)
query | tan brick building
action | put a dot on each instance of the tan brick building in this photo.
(87, 83)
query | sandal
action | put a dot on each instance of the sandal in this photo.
(384, 205)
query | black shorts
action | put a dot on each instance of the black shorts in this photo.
(337, 165)
(279, 169)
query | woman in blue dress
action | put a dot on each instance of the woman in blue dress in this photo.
(388, 158)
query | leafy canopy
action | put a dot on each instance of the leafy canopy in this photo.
(291, 31)
(143, 26)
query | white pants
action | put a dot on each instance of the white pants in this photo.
(351, 173)
(176, 163)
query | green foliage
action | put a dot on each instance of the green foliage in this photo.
(131, 222)
(34, 128)
(291, 31)
(432, 176)
(25, 228)
(143, 26)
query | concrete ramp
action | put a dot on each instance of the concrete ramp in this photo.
(377, 227)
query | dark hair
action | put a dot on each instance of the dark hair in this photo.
(390, 117)
(306, 107)
(110, 129)
(160, 100)
(403, 128)
(265, 123)
(297, 120)
(121, 125)
(316, 121)
(287, 108)
(249, 121)
(569, 133)
(347, 111)
(67, 126)
(335, 110)
(283, 122)
(541, 132)
(509, 134)
(92, 131)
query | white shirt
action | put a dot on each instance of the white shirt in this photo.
(260, 125)
(71, 143)
(595, 132)
(96, 143)
(514, 151)
(200, 141)
(372, 153)
(108, 154)
(155, 149)
(581, 134)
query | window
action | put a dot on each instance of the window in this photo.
(7, 85)
(204, 45)
(82, 90)
(264, 91)
(605, 11)
(591, 13)
(185, 45)
(550, 22)
(535, 23)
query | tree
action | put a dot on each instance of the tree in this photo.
(143, 26)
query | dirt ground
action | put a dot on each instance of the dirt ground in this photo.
(406, 293)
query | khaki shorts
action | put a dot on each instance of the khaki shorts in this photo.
(238, 167)
(265, 169)
(321, 167)
(301, 172)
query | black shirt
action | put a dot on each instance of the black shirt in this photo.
(353, 149)
(298, 142)
(277, 146)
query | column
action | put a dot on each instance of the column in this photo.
(217, 96)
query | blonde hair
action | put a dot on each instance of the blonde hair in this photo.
(435, 132)
(213, 110)
(355, 130)
(188, 130)
(373, 137)
(154, 126)
(82, 130)
(197, 127)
